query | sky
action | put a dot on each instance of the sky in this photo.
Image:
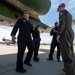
(52, 16)
(49, 19)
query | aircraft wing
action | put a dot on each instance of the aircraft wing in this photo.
(73, 22)
(11, 10)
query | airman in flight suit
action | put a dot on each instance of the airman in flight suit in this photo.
(65, 37)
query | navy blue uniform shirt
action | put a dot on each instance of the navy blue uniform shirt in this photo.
(24, 26)
(54, 34)
(36, 34)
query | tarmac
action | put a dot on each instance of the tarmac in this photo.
(43, 67)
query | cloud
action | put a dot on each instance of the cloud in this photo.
(45, 38)
(54, 4)
(73, 11)
(71, 4)
(55, 1)
(4, 32)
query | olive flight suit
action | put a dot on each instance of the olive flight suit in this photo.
(66, 41)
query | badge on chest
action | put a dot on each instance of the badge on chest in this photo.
(24, 20)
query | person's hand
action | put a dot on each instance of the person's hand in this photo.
(13, 39)
(54, 31)
(35, 39)
(58, 38)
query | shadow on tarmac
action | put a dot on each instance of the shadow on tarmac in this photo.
(43, 67)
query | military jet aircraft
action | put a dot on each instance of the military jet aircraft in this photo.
(7, 41)
(11, 10)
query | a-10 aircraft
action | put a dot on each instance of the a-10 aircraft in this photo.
(11, 11)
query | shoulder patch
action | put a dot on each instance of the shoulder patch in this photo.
(24, 20)
(61, 13)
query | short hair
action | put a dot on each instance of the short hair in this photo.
(25, 11)
(37, 26)
(56, 23)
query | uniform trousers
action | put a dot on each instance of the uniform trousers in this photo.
(22, 43)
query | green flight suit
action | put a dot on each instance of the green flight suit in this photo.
(66, 41)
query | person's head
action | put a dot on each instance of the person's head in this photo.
(37, 26)
(56, 24)
(61, 7)
(26, 14)
(34, 27)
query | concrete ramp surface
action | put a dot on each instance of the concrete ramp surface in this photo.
(43, 67)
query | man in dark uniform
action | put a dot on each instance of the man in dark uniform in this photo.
(36, 41)
(54, 43)
(65, 37)
(24, 39)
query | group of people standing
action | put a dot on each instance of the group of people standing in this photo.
(63, 36)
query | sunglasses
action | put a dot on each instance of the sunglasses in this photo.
(25, 13)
